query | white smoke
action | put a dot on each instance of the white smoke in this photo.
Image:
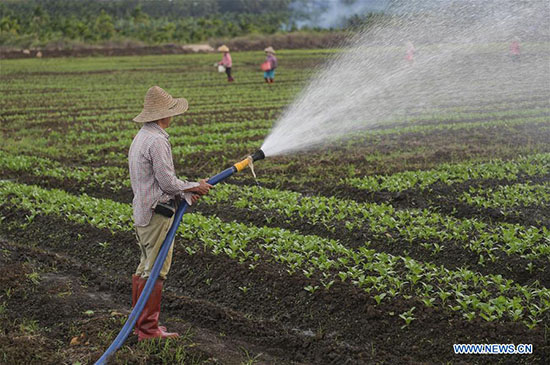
(332, 13)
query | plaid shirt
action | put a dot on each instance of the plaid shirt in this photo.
(152, 173)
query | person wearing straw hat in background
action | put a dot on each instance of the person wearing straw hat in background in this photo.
(269, 65)
(156, 193)
(226, 62)
(514, 49)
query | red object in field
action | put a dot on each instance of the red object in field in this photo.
(266, 66)
(514, 48)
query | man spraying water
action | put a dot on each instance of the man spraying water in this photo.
(156, 192)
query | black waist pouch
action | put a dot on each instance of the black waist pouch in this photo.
(166, 209)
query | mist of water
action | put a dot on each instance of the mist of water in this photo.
(425, 55)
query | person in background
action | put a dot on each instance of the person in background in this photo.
(514, 49)
(271, 61)
(157, 191)
(226, 61)
(409, 56)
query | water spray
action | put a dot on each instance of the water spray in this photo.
(421, 55)
(159, 262)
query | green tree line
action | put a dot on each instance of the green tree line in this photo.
(39, 22)
(159, 21)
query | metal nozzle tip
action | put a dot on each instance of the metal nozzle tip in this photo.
(258, 155)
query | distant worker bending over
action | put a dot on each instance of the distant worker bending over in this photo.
(226, 62)
(269, 65)
(157, 192)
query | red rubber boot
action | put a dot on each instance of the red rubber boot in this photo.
(147, 323)
(136, 292)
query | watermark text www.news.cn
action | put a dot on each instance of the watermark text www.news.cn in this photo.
(493, 349)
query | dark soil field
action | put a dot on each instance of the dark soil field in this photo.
(65, 277)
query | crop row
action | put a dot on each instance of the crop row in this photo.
(88, 126)
(385, 276)
(449, 174)
(504, 197)
(222, 104)
(119, 109)
(326, 211)
(118, 85)
(239, 129)
(487, 107)
(115, 150)
(150, 63)
(508, 196)
(104, 177)
(432, 230)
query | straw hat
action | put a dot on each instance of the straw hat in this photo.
(269, 50)
(223, 48)
(159, 104)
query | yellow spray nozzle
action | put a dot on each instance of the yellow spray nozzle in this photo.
(243, 164)
(249, 161)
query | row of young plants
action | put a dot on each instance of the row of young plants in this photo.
(120, 111)
(467, 125)
(115, 151)
(419, 129)
(242, 122)
(199, 84)
(439, 117)
(429, 229)
(507, 197)
(95, 136)
(449, 174)
(93, 141)
(111, 177)
(384, 276)
(89, 123)
(119, 108)
(100, 132)
(190, 124)
(189, 140)
(491, 106)
(295, 59)
(203, 87)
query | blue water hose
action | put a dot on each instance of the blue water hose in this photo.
(159, 262)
